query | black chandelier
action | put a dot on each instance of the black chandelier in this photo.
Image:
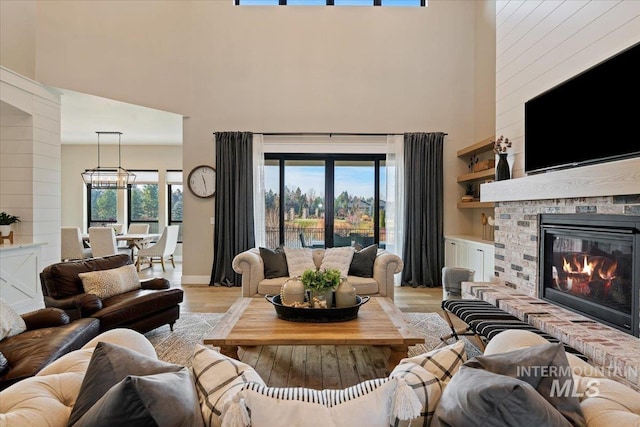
(108, 178)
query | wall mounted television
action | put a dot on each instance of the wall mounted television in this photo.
(593, 117)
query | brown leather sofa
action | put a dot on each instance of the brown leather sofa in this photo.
(50, 334)
(150, 307)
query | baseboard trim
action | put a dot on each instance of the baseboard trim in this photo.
(195, 280)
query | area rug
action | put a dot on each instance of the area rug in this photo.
(191, 328)
(433, 326)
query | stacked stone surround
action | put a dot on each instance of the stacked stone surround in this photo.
(516, 233)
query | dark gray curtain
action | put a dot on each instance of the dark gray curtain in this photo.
(234, 204)
(423, 251)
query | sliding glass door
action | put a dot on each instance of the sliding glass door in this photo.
(324, 200)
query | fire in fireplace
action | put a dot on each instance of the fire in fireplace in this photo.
(590, 264)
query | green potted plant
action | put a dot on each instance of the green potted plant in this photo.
(5, 223)
(320, 284)
(469, 191)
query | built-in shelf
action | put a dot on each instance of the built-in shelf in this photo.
(479, 147)
(474, 205)
(474, 176)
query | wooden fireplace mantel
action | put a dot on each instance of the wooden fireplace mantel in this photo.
(621, 177)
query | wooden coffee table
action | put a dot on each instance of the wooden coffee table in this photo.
(253, 322)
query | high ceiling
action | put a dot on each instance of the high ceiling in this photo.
(82, 115)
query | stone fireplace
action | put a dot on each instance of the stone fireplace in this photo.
(517, 273)
(517, 233)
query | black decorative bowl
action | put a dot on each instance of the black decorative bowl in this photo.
(316, 315)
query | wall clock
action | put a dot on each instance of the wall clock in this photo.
(202, 181)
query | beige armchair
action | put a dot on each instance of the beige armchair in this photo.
(249, 264)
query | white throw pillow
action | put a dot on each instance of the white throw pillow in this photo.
(371, 403)
(108, 283)
(338, 258)
(11, 323)
(218, 378)
(299, 260)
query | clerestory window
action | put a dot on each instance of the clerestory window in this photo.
(388, 3)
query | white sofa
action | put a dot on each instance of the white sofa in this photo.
(604, 402)
(250, 265)
(47, 399)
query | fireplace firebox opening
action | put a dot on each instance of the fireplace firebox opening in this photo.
(590, 264)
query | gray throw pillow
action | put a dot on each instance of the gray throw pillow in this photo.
(110, 364)
(362, 262)
(275, 262)
(475, 397)
(168, 399)
(528, 386)
(546, 368)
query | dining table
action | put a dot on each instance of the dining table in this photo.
(134, 240)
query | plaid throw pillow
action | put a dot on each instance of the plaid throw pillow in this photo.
(217, 379)
(443, 362)
(425, 385)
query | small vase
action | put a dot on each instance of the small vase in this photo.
(345, 294)
(322, 299)
(292, 291)
(502, 168)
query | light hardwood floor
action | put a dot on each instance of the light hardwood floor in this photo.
(218, 299)
(313, 366)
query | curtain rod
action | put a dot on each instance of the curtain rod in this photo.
(329, 134)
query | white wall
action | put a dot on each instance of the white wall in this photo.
(18, 36)
(543, 43)
(313, 69)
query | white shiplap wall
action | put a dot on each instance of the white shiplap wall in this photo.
(30, 167)
(542, 43)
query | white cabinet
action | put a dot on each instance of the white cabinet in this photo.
(471, 252)
(455, 253)
(19, 276)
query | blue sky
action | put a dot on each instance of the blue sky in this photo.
(357, 181)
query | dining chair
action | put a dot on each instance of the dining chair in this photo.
(103, 241)
(71, 246)
(163, 248)
(138, 229)
(118, 228)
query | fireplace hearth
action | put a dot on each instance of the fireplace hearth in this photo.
(590, 264)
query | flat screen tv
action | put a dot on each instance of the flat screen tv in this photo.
(593, 117)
